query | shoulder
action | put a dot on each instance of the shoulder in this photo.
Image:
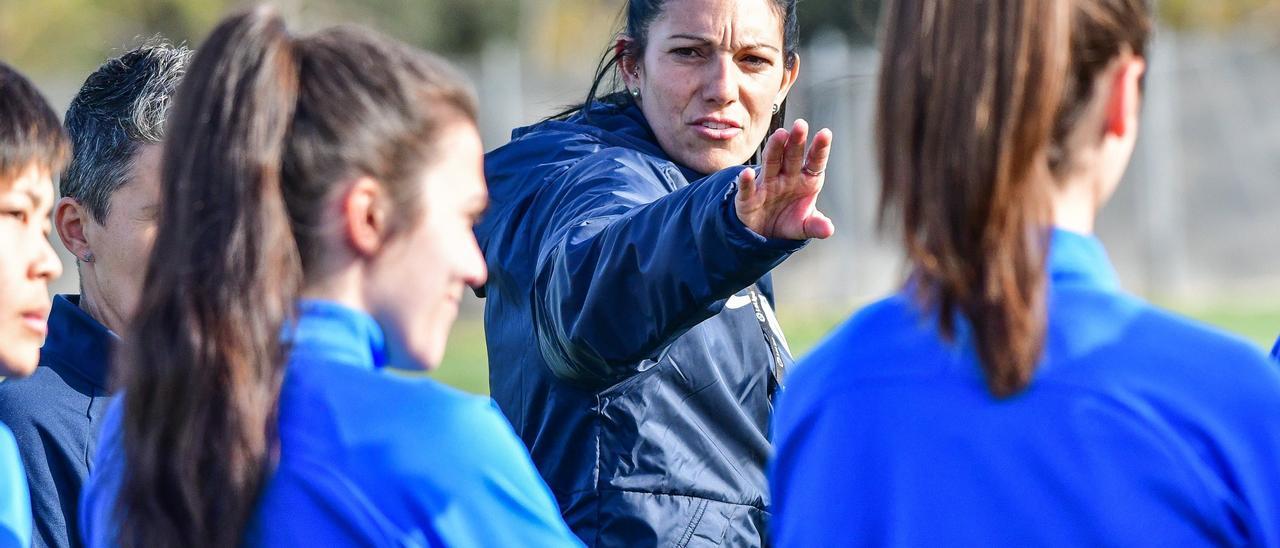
(466, 431)
(15, 516)
(572, 156)
(26, 402)
(889, 338)
(8, 450)
(881, 328)
(1196, 359)
(400, 422)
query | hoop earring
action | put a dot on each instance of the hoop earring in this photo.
(775, 108)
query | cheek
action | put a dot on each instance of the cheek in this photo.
(10, 266)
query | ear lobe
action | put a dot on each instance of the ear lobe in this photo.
(69, 217)
(364, 217)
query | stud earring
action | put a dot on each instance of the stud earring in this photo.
(775, 108)
(88, 257)
(635, 93)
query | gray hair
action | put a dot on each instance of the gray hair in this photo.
(121, 105)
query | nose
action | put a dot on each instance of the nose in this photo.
(474, 272)
(45, 263)
(720, 86)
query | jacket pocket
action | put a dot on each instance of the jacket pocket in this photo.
(687, 536)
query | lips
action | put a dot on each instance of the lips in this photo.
(716, 128)
(37, 321)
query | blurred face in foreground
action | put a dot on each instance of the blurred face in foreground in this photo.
(27, 265)
(416, 280)
(709, 78)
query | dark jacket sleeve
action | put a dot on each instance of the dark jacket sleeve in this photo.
(629, 265)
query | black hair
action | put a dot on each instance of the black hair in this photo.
(29, 129)
(640, 15)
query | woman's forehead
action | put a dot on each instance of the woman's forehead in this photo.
(724, 23)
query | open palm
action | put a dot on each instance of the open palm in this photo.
(782, 201)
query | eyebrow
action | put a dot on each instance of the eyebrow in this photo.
(36, 199)
(705, 40)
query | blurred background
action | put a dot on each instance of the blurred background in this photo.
(1194, 227)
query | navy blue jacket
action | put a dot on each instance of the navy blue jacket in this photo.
(623, 340)
(1140, 428)
(55, 415)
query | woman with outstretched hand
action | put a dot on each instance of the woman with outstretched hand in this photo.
(631, 336)
(1012, 394)
(319, 198)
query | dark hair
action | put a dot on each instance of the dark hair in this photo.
(121, 105)
(265, 129)
(976, 116)
(29, 129)
(640, 14)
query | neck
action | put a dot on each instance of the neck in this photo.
(1076, 204)
(95, 307)
(342, 287)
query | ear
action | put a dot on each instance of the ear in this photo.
(365, 217)
(789, 75)
(70, 218)
(1123, 103)
(628, 64)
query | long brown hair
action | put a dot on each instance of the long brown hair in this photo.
(977, 104)
(264, 130)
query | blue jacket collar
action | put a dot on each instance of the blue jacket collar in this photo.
(77, 343)
(1076, 258)
(614, 124)
(331, 332)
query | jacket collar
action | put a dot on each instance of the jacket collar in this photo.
(1080, 259)
(77, 343)
(620, 124)
(331, 332)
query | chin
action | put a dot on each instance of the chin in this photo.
(18, 364)
(716, 160)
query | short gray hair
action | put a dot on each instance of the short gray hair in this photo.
(121, 105)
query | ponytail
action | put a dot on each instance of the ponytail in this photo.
(976, 103)
(203, 365)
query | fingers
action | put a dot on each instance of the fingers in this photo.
(746, 186)
(794, 159)
(819, 152)
(774, 149)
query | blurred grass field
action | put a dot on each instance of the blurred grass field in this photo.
(465, 365)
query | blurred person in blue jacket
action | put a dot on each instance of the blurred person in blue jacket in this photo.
(1012, 394)
(629, 319)
(33, 147)
(320, 193)
(106, 218)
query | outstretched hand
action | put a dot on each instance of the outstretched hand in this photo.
(782, 201)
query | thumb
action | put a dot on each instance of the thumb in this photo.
(818, 226)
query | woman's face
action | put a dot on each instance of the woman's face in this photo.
(27, 265)
(418, 279)
(709, 78)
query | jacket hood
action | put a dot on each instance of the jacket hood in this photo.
(518, 169)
